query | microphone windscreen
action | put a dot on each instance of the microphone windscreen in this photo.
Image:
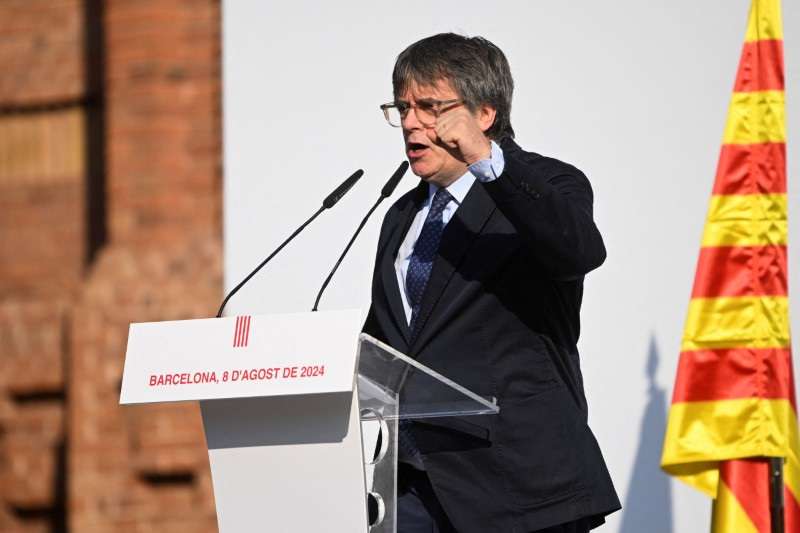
(391, 185)
(342, 189)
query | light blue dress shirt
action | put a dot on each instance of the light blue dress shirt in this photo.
(485, 170)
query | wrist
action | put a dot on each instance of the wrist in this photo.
(485, 152)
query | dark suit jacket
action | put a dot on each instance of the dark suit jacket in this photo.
(500, 316)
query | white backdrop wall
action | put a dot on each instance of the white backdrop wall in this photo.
(633, 92)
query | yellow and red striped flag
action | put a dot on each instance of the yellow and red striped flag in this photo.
(734, 402)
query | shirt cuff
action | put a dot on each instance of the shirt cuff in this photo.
(487, 170)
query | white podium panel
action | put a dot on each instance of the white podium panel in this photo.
(280, 417)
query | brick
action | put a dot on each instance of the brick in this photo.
(41, 51)
(32, 473)
(32, 335)
(42, 238)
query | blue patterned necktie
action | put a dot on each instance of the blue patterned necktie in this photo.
(421, 263)
(419, 270)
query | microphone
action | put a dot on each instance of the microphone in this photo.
(342, 189)
(391, 185)
(386, 192)
(329, 202)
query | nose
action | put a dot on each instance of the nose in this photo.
(410, 121)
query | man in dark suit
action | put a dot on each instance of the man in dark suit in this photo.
(479, 275)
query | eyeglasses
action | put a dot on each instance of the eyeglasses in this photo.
(427, 111)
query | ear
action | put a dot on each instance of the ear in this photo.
(485, 116)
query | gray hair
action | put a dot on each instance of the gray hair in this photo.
(477, 69)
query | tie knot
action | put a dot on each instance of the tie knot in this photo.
(440, 201)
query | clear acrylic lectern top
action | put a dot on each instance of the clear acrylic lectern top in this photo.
(385, 376)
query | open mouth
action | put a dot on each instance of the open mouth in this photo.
(415, 149)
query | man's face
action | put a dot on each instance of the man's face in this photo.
(430, 159)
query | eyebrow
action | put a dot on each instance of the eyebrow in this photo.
(421, 100)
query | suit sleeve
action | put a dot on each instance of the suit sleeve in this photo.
(550, 205)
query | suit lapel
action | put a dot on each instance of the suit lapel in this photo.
(388, 272)
(459, 234)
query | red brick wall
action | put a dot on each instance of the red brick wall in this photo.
(42, 220)
(70, 457)
(163, 119)
(41, 152)
(32, 384)
(42, 250)
(41, 51)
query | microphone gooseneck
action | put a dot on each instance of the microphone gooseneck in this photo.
(329, 202)
(386, 192)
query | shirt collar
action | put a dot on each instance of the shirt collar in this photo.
(458, 189)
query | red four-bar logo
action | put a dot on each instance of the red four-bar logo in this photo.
(241, 333)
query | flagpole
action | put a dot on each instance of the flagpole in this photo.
(776, 494)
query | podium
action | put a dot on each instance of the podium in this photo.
(300, 413)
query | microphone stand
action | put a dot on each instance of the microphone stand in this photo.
(327, 203)
(346, 249)
(265, 261)
(386, 192)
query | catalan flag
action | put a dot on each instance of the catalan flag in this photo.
(734, 402)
